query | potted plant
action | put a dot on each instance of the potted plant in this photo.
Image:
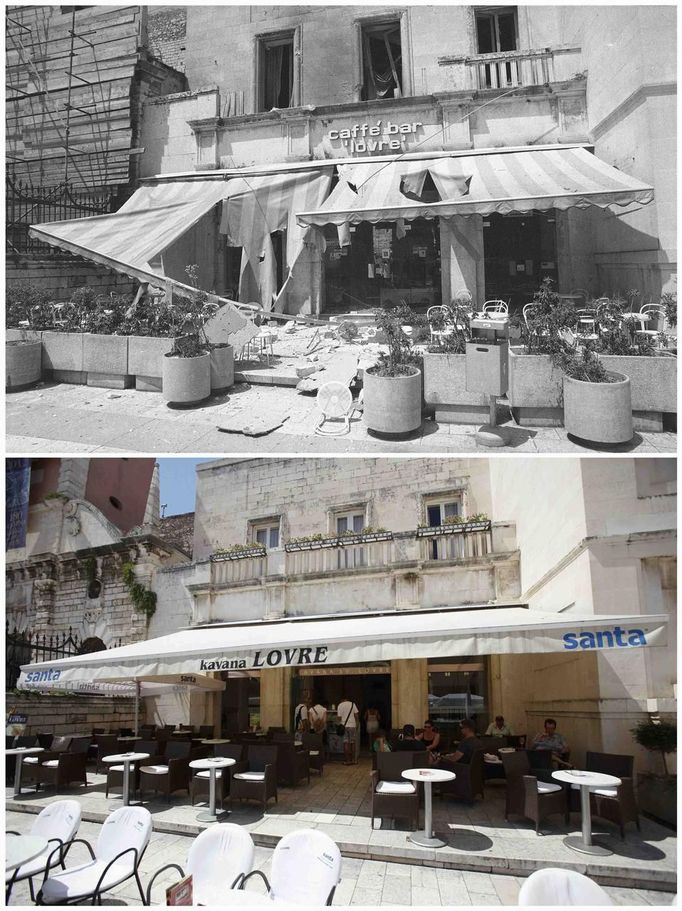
(656, 794)
(221, 354)
(28, 312)
(239, 552)
(187, 366)
(393, 386)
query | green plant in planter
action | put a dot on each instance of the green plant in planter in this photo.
(27, 306)
(400, 359)
(657, 736)
(669, 305)
(240, 548)
(452, 323)
(541, 330)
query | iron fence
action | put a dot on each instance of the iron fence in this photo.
(26, 205)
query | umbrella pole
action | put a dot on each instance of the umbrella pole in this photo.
(137, 705)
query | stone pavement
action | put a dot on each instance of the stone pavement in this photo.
(363, 882)
(480, 842)
(57, 418)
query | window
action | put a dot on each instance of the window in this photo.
(266, 532)
(496, 30)
(437, 511)
(277, 72)
(350, 521)
(458, 689)
(381, 61)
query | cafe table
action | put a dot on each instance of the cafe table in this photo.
(586, 781)
(212, 764)
(20, 752)
(427, 776)
(210, 741)
(20, 849)
(126, 759)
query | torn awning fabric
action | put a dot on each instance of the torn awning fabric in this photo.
(477, 184)
(254, 209)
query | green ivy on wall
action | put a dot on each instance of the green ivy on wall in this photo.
(144, 600)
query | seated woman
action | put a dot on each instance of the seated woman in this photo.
(430, 736)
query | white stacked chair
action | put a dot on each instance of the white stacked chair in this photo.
(561, 888)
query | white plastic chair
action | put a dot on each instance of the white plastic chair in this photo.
(58, 823)
(656, 323)
(556, 887)
(587, 324)
(335, 401)
(496, 306)
(527, 308)
(122, 842)
(218, 859)
(307, 850)
(438, 333)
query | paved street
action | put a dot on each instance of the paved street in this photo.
(68, 418)
(364, 882)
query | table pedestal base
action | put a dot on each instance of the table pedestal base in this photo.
(576, 842)
(425, 840)
(207, 816)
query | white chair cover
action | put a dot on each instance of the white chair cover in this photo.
(556, 887)
(59, 820)
(306, 850)
(216, 859)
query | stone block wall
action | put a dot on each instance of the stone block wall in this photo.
(166, 33)
(73, 714)
(62, 276)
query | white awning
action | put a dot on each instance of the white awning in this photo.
(479, 183)
(320, 641)
(160, 685)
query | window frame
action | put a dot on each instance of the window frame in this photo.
(347, 512)
(441, 500)
(373, 20)
(271, 39)
(495, 12)
(267, 523)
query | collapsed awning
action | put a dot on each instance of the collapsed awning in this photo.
(147, 224)
(321, 641)
(476, 184)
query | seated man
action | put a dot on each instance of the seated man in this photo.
(408, 741)
(498, 728)
(465, 748)
(550, 739)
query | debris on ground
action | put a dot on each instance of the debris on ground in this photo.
(253, 427)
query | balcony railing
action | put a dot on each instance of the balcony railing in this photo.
(522, 68)
(229, 572)
(339, 557)
(456, 546)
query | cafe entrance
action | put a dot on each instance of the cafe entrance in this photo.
(383, 265)
(369, 686)
(519, 250)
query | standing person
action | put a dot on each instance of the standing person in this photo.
(430, 736)
(499, 728)
(349, 715)
(317, 717)
(301, 716)
(372, 724)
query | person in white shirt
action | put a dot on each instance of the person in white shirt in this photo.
(349, 715)
(317, 718)
(301, 721)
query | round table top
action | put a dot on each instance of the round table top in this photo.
(15, 751)
(125, 757)
(216, 740)
(491, 759)
(429, 775)
(127, 739)
(19, 849)
(586, 779)
(212, 762)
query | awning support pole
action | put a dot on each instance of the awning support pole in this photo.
(137, 706)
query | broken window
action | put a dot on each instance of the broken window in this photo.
(496, 30)
(381, 61)
(277, 72)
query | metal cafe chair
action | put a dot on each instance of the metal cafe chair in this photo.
(496, 306)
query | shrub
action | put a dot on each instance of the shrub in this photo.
(657, 736)
(400, 359)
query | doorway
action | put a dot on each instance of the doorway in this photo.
(519, 251)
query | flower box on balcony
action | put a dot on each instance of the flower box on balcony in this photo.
(452, 528)
(247, 553)
(338, 541)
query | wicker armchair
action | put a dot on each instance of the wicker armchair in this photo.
(313, 744)
(169, 775)
(529, 796)
(200, 780)
(105, 745)
(292, 764)
(60, 769)
(21, 740)
(470, 776)
(259, 780)
(115, 772)
(615, 804)
(392, 795)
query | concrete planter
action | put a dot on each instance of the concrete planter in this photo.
(393, 404)
(145, 361)
(186, 380)
(23, 363)
(105, 360)
(63, 356)
(599, 412)
(222, 368)
(657, 796)
(445, 390)
(653, 383)
(535, 389)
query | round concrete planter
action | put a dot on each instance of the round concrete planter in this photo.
(393, 404)
(222, 368)
(186, 379)
(599, 412)
(23, 363)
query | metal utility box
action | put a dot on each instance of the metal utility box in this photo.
(487, 367)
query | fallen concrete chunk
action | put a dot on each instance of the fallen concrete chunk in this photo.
(304, 370)
(341, 367)
(253, 427)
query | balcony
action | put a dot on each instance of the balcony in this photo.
(521, 68)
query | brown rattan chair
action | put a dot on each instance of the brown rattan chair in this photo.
(21, 740)
(201, 779)
(259, 780)
(527, 795)
(615, 804)
(169, 775)
(392, 795)
(313, 744)
(105, 745)
(492, 744)
(292, 764)
(62, 768)
(115, 772)
(468, 783)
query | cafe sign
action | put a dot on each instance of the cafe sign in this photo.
(379, 136)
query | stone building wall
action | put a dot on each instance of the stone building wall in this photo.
(61, 277)
(166, 34)
(73, 714)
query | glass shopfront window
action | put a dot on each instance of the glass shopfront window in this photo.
(458, 689)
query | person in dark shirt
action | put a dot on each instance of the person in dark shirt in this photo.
(408, 741)
(465, 748)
